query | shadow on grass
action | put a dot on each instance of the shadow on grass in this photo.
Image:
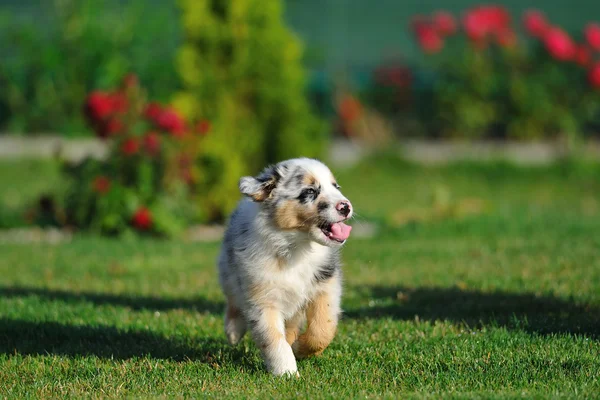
(198, 304)
(524, 311)
(47, 338)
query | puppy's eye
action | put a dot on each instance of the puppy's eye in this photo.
(335, 185)
(310, 192)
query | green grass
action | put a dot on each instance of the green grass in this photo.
(22, 182)
(504, 303)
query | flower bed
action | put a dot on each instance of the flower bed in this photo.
(486, 77)
(148, 181)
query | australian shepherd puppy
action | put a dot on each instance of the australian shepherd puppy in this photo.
(279, 266)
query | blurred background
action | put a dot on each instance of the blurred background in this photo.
(151, 110)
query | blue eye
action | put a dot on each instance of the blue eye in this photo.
(310, 192)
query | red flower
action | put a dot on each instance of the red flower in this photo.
(153, 111)
(142, 219)
(99, 106)
(130, 146)
(535, 23)
(203, 127)
(583, 56)
(444, 23)
(559, 44)
(101, 184)
(350, 109)
(592, 35)
(171, 122)
(152, 143)
(429, 38)
(594, 75)
(119, 101)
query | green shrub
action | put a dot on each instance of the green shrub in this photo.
(241, 68)
(50, 62)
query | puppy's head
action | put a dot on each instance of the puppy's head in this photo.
(302, 195)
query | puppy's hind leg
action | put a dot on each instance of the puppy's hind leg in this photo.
(292, 327)
(235, 325)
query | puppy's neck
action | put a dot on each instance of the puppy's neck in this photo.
(285, 245)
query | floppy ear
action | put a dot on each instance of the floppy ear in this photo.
(259, 188)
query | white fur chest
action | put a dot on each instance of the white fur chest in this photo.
(288, 285)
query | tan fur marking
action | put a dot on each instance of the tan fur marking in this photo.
(258, 293)
(281, 262)
(292, 215)
(309, 180)
(272, 333)
(292, 328)
(320, 329)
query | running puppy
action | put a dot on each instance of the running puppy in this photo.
(279, 266)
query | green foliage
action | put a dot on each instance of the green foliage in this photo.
(241, 69)
(73, 46)
(519, 93)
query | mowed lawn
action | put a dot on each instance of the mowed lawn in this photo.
(480, 280)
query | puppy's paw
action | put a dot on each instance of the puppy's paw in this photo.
(281, 360)
(235, 328)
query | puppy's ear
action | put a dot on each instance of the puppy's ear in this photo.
(259, 188)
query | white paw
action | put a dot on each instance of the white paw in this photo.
(235, 330)
(281, 361)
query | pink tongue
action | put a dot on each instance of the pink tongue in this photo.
(340, 231)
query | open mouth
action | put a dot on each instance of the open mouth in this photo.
(337, 231)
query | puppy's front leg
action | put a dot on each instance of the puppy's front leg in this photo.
(268, 331)
(322, 316)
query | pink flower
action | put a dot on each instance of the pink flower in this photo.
(535, 23)
(559, 44)
(592, 35)
(484, 21)
(429, 38)
(444, 23)
(142, 219)
(594, 76)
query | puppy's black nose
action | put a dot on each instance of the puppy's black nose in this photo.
(343, 207)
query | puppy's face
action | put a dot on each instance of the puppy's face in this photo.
(302, 195)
